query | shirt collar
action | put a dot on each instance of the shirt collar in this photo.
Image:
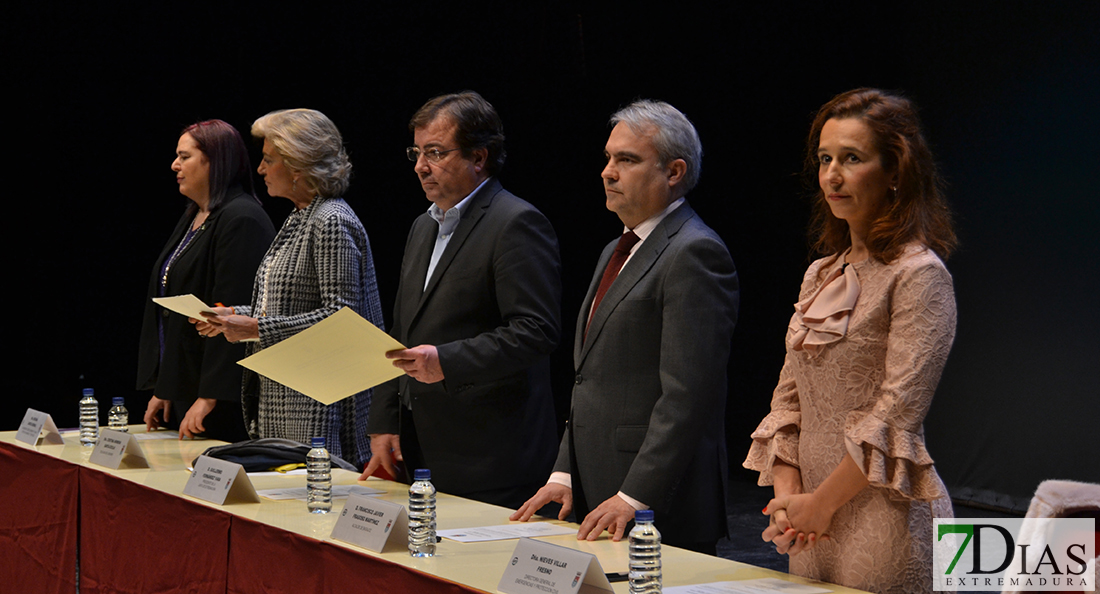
(643, 229)
(455, 212)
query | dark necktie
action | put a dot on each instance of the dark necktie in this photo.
(618, 258)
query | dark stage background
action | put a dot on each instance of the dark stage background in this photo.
(1009, 95)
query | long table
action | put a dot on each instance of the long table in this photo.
(134, 531)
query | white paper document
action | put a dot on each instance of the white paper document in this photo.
(190, 306)
(185, 305)
(506, 532)
(756, 586)
(335, 358)
(299, 493)
(157, 435)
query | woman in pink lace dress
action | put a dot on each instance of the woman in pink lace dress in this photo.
(843, 446)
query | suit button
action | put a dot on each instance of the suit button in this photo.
(164, 313)
(579, 379)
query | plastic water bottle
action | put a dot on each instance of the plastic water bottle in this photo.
(318, 478)
(422, 514)
(645, 554)
(118, 418)
(89, 418)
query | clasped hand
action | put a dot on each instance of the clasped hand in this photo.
(797, 523)
(223, 321)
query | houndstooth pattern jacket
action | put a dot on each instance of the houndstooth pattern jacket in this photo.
(319, 262)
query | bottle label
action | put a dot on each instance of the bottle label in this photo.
(34, 423)
(371, 523)
(220, 482)
(115, 449)
(538, 567)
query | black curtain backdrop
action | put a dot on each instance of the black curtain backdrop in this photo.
(97, 96)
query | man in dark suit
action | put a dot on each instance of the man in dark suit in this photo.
(480, 297)
(646, 428)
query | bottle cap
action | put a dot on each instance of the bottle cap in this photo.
(643, 515)
(118, 401)
(422, 474)
(89, 391)
(317, 442)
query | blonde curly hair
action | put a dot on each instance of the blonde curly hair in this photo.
(309, 144)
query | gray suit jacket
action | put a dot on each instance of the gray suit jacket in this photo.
(493, 310)
(648, 411)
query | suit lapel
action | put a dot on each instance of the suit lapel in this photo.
(632, 273)
(474, 211)
(183, 228)
(211, 220)
(420, 245)
(582, 319)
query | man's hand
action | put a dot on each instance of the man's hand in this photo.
(549, 492)
(612, 515)
(385, 448)
(420, 363)
(157, 405)
(191, 425)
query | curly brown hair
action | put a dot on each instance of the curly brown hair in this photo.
(916, 211)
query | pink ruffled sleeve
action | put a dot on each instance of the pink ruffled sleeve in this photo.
(887, 442)
(777, 435)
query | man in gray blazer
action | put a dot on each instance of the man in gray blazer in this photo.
(479, 304)
(647, 425)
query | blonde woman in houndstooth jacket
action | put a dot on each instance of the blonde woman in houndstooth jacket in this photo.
(319, 262)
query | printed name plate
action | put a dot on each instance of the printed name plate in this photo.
(370, 523)
(115, 448)
(544, 568)
(34, 422)
(220, 482)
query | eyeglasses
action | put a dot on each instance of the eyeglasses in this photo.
(432, 155)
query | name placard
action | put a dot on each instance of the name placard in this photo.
(370, 523)
(34, 422)
(220, 482)
(542, 568)
(115, 448)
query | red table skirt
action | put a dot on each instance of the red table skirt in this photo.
(270, 560)
(134, 539)
(38, 521)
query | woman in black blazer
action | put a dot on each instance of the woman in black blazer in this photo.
(213, 254)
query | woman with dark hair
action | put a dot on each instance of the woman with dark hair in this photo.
(319, 262)
(843, 446)
(212, 253)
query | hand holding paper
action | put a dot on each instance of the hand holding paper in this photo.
(420, 363)
(339, 356)
(235, 328)
(187, 305)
